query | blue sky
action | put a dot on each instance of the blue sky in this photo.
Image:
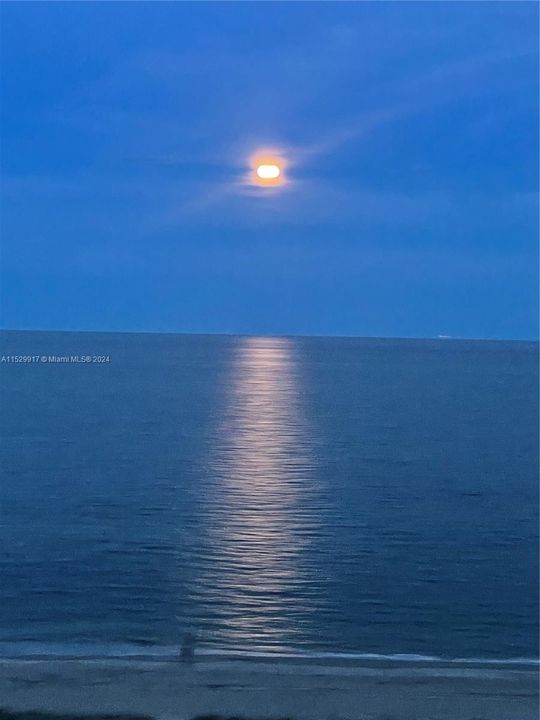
(411, 133)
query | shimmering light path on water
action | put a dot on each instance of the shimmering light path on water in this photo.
(261, 502)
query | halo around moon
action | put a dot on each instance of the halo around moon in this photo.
(267, 169)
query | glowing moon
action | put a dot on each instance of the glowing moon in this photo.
(268, 172)
(267, 169)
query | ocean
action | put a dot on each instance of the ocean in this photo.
(273, 496)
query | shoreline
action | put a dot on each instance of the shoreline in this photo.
(268, 689)
(151, 651)
(357, 662)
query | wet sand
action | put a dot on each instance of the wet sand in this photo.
(279, 689)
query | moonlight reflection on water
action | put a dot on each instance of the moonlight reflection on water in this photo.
(261, 501)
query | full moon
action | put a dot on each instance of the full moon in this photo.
(268, 172)
(267, 169)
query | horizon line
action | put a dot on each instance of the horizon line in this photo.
(440, 337)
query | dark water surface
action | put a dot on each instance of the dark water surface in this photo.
(270, 494)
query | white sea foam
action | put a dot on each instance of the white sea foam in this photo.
(45, 650)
